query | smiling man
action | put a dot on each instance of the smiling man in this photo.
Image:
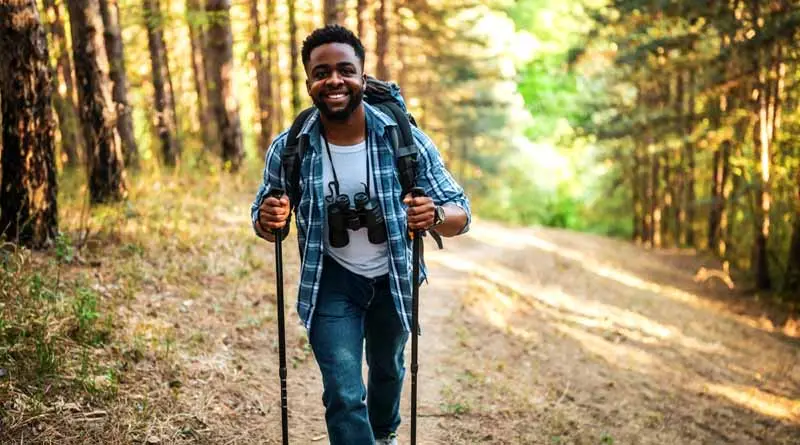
(355, 281)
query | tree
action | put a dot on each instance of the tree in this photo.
(294, 54)
(382, 47)
(106, 164)
(29, 212)
(263, 79)
(162, 83)
(195, 15)
(64, 102)
(361, 6)
(119, 92)
(220, 44)
(792, 280)
(333, 12)
(274, 61)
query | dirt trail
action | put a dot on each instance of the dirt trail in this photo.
(530, 336)
(570, 338)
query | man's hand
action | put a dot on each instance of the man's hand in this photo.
(421, 211)
(273, 213)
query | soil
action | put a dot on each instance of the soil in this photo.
(537, 336)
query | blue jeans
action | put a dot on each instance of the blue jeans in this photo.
(351, 309)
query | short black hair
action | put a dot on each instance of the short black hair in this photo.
(331, 34)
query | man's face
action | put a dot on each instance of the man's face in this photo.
(335, 80)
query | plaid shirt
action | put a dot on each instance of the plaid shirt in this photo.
(310, 212)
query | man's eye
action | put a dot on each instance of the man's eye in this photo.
(320, 74)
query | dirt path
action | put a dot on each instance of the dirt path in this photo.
(530, 336)
(570, 338)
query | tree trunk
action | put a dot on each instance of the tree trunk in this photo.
(114, 47)
(361, 7)
(333, 12)
(762, 188)
(162, 83)
(106, 165)
(719, 179)
(401, 47)
(220, 40)
(28, 210)
(654, 200)
(273, 56)
(792, 280)
(638, 193)
(293, 65)
(64, 100)
(688, 202)
(382, 44)
(263, 81)
(197, 40)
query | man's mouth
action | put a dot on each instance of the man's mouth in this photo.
(335, 97)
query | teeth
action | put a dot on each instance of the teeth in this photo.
(336, 96)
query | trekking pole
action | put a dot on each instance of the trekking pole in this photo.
(278, 193)
(416, 238)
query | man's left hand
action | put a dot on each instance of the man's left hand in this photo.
(421, 210)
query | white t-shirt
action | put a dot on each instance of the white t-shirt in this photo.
(359, 255)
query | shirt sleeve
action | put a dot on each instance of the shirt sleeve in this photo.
(272, 176)
(434, 178)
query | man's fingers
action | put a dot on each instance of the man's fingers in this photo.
(274, 210)
(421, 210)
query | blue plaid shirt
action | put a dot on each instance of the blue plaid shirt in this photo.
(310, 212)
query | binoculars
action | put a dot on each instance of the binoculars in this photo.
(366, 213)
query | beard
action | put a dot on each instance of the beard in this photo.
(355, 98)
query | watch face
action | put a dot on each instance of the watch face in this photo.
(438, 217)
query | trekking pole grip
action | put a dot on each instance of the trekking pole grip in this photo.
(281, 233)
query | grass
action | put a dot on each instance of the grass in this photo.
(81, 353)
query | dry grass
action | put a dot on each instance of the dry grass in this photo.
(154, 321)
(114, 334)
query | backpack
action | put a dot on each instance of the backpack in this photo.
(384, 96)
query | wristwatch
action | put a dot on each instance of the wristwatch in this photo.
(438, 216)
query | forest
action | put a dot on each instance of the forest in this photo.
(655, 139)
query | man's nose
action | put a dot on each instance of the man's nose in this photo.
(335, 78)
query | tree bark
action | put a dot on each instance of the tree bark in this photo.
(401, 44)
(382, 44)
(28, 210)
(64, 100)
(220, 40)
(273, 56)
(106, 164)
(115, 49)
(638, 194)
(197, 39)
(361, 7)
(263, 80)
(688, 202)
(792, 280)
(763, 192)
(293, 65)
(162, 83)
(333, 12)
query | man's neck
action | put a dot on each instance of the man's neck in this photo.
(347, 132)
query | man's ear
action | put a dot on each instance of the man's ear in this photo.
(308, 87)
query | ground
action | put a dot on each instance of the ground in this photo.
(530, 336)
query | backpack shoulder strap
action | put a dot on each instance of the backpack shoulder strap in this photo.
(405, 149)
(292, 155)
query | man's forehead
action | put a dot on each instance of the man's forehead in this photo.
(333, 53)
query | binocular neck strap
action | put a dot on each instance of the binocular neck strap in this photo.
(330, 158)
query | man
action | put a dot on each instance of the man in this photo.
(357, 289)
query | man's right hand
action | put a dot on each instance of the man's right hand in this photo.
(273, 213)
